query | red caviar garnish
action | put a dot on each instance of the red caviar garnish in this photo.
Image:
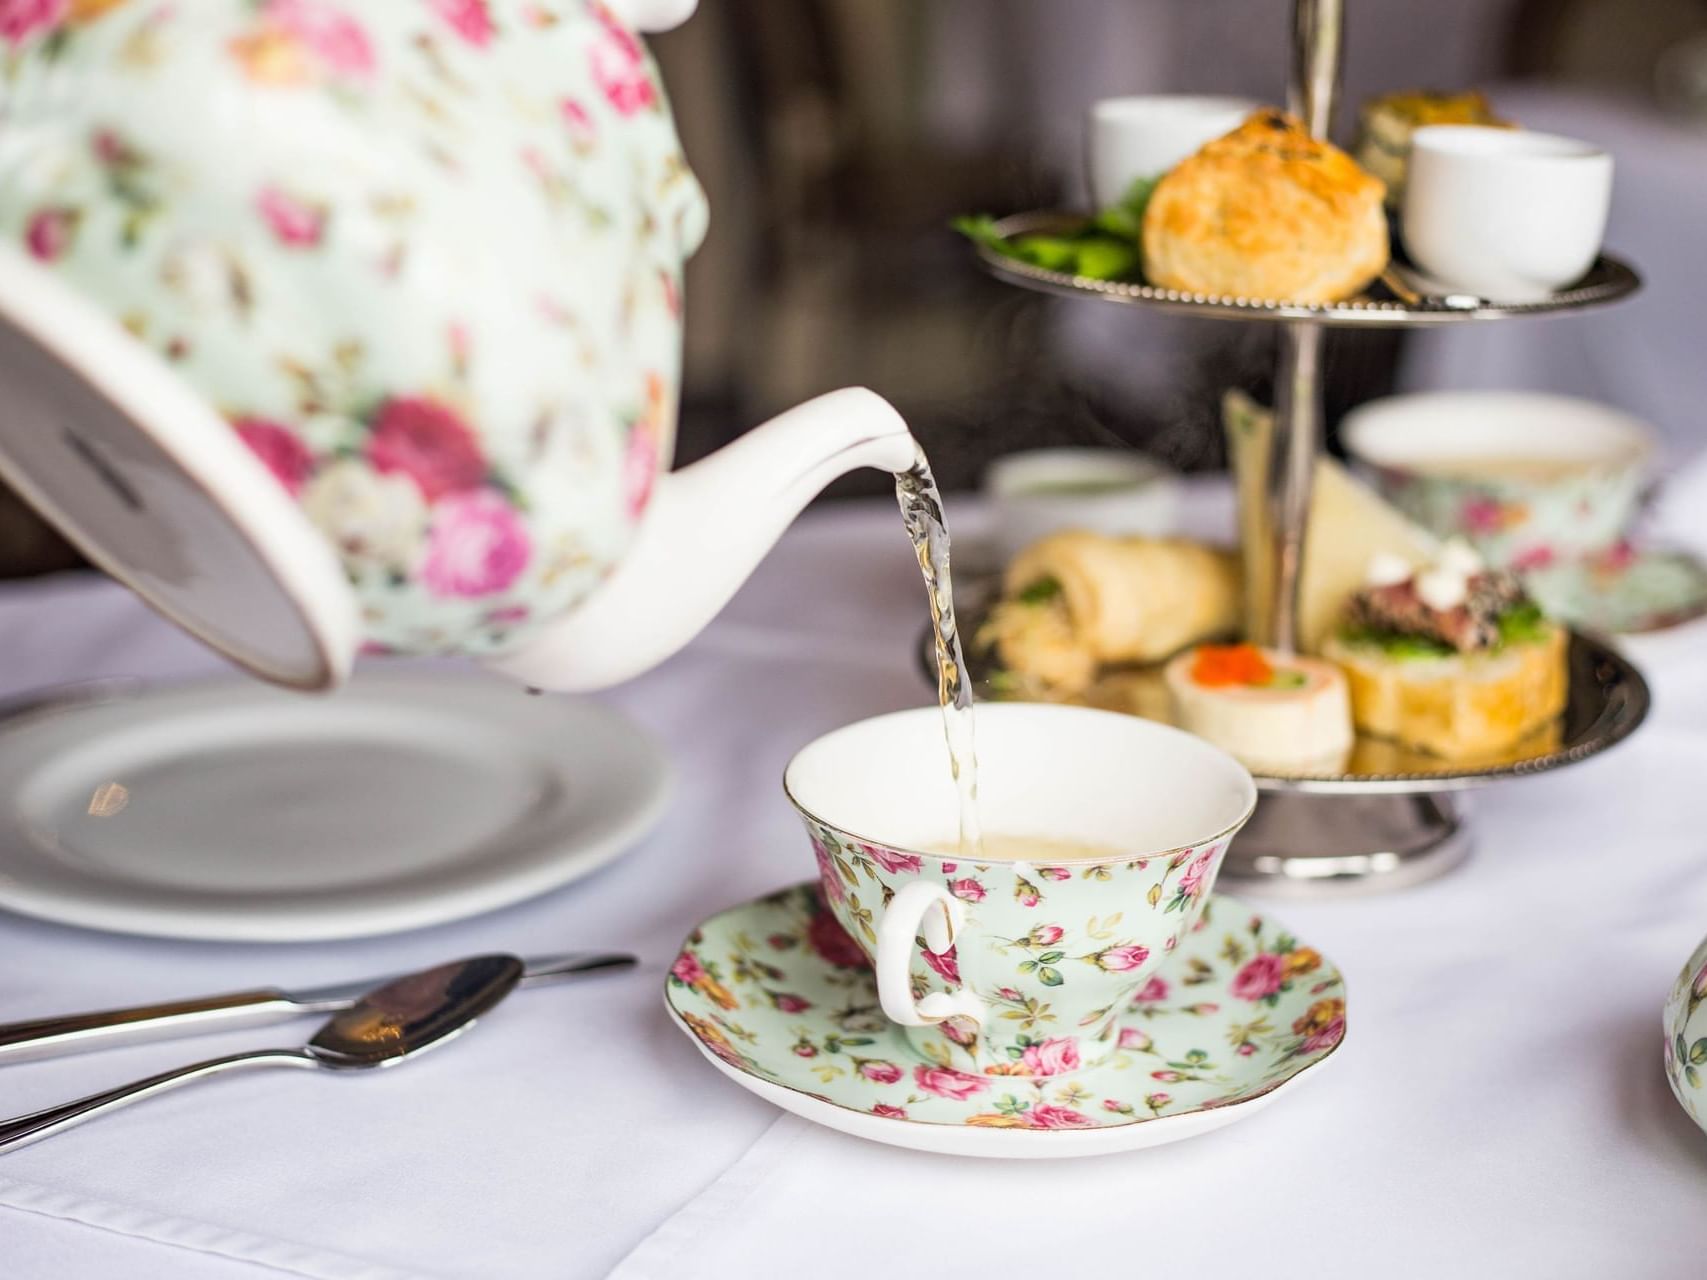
(1220, 665)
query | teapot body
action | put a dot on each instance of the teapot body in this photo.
(424, 257)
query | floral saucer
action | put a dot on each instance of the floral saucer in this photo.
(781, 1000)
(1686, 1036)
(1625, 592)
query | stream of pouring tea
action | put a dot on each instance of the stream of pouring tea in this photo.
(921, 511)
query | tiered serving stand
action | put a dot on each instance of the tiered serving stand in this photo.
(1382, 823)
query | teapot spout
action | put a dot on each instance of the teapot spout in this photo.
(705, 530)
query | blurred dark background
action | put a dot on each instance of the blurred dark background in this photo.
(836, 138)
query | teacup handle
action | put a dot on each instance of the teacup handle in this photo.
(910, 914)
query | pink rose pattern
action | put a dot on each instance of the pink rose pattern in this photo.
(890, 859)
(947, 965)
(880, 1072)
(583, 131)
(1053, 1057)
(830, 942)
(429, 443)
(294, 222)
(1260, 978)
(687, 968)
(21, 19)
(476, 545)
(1122, 959)
(1054, 948)
(1152, 992)
(966, 889)
(480, 576)
(1483, 515)
(1533, 558)
(280, 448)
(1520, 525)
(946, 1082)
(469, 19)
(1050, 1116)
(618, 64)
(756, 992)
(828, 876)
(329, 33)
(1195, 878)
(50, 233)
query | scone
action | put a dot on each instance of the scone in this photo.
(1268, 213)
(1454, 660)
(1387, 123)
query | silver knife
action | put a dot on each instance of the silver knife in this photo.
(50, 1037)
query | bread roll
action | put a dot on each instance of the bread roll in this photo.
(1267, 212)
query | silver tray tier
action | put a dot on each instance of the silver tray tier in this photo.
(1607, 702)
(1608, 280)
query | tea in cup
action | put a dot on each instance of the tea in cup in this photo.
(1017, 960)
(1529, 480)
(1505, 214)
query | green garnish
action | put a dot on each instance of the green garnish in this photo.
(1106, 249)
(1396, 645)
(1522, 623)
(1052, 253)
(1126, 219)
(980, 228)
(1287, 680)
(1105, 257)
(1040, 592)
(1004, 684)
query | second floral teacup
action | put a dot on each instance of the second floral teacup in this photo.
(1530, 480)
(1108, 832)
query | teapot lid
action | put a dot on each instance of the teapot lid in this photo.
(152, 485)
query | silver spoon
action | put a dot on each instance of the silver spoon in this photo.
(390, 1023)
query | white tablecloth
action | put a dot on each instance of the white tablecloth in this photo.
(1498, 1109)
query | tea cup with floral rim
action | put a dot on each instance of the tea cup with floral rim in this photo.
(1532, 481)
(997, 964)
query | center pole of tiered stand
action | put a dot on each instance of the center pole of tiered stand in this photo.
(1299, 841)
(1318, 32)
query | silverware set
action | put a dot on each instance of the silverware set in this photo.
(373, 1023)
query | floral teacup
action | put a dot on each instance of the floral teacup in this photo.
(1531, 481)
(1000, 962)
(1686, 1036)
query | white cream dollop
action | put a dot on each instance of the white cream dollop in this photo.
(1387, 570)
(1459, 557)
(1441, 589)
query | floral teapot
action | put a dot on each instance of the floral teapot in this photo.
(327, 325)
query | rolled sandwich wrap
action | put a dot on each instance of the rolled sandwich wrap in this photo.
(1074, 601)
